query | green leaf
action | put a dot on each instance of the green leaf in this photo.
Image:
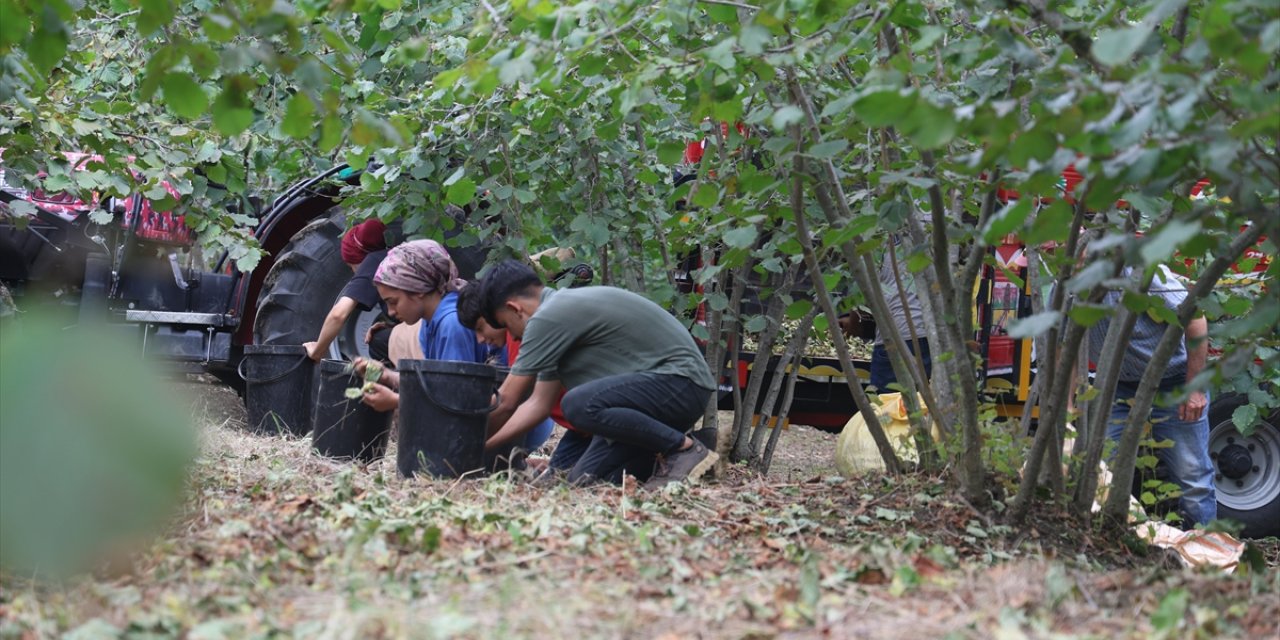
(883, 108)
(431, 537)
(591, 65)
(298, 116)
(184, 95)
(707, 195)
(515, 70)
(741, 237)
(777, 145)
(1089, 277)
(15, 25)
(756, 324)
(1034, 325)
(232, 113)
(671, 151)
(23, 209)
(752, 38)
(722, 13)
(1162, 313)
(1036, 144)
(1007, 220)
(1114, 47)
(330, 133)
(1160, 245)
(458, 174)
(48, 44)
(1236, 305)
(918, 261)
(154, 14)
(1087, 315)
(798, 309)
(828, 149)
(219, 27)
(118, 429)
(1173, 607)
(1245, 418)
(1051, 224)
(648, 176)
(461, 192)
(928, 126)
(786, 116)
(721, 54)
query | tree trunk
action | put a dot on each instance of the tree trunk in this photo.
(742, 448)
(891, 463)
(785, 408)
(791, 355)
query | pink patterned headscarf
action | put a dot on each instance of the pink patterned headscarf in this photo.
(421, 266)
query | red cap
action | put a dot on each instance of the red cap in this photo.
(363, 239)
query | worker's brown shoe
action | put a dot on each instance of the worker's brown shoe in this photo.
(687, 466)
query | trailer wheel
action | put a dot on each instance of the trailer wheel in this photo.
(1247, 469)
(303, 283)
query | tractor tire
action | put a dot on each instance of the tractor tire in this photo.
(1248, 468)
(303, 284)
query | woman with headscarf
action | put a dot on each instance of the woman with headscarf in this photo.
(418, 281)
(363, 248)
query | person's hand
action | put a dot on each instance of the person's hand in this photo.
(1193, 408)
(313, 351)
(359, 365)
(537, 465)
(381, 397)
(375, 327)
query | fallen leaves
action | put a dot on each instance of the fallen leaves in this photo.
(275, 541)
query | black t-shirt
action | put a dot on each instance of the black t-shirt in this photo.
(360, 288)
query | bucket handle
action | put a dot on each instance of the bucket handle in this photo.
(497, 400)
(279, 376)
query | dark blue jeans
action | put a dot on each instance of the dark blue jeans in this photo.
(882, 371)
(569, 450)
(632, 417)
(1188, 459)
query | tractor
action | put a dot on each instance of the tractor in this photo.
(119, 262)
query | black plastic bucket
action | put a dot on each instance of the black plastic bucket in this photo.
(444, 408)
(279, 388)
(344, 428)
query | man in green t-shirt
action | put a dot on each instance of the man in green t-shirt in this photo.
(635, 378)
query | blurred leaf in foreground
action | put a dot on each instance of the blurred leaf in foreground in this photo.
(94, 447)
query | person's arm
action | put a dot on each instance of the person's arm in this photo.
(342, 309)
(528, 415)
(512, 392)
(1197, 339)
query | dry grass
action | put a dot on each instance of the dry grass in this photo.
(275, 540)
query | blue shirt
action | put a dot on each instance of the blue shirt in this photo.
(444, 338)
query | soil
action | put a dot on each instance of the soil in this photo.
(277, 541)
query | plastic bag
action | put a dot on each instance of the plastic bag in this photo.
(856, 451)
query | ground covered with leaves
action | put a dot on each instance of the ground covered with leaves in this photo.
(275, 541)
